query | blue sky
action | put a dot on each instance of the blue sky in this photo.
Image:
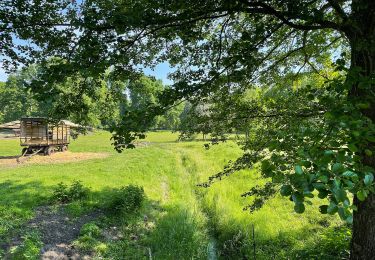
(160, 72)
(3, 75)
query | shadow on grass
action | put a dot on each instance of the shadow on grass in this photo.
(9, 157)
(17, 201)
(157, 231)
(23, 195)
(326, 242)
(163, 232)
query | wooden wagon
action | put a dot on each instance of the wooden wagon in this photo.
(38, 135)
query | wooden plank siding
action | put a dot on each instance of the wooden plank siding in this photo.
(37, 132)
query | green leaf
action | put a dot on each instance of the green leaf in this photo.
(346, 203)
(349, 184)
(340, 194)
(299, 208)
(323, 209)
(308, 194)
(332, 208)
(323, 178)
(297, 198)
(341, 212)
(350, 174)
(286, 190)
(267, 167)
(298, 169)
(353, 148)
(328, 152)
(341, 156)
(307, 164)
(369, 178)
(356, 133)
(363, 105)
(319, 186)
(361, 195)
(349, 219)
(368, 152)
(323, 194)
(337, 167)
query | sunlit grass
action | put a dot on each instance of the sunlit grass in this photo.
(190, 217)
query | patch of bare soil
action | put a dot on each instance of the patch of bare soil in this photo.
(58, 231)
(141, 144)
(58, 157)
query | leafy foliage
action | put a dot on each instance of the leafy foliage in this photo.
(65, 194)
(127, 199)
(306, 143)
(30, 247)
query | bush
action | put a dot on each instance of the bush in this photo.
(85, 243)
(64, 194)
(90, 229)
(29, 249)
(127, 199)
(236, 246)
(89, 239)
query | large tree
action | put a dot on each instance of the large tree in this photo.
(323, 138)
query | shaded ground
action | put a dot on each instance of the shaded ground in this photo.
(57, 231)
(11, 161)
(8, 136)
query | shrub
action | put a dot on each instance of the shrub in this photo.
(77, 191)
(127, 199)
(89, 239)
(29, 249)
(236, 246)
(64, 194)
(85, 243)
(90, 229)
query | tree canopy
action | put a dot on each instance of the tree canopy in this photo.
(311, 138)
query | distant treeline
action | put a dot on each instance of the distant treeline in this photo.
(114, 98)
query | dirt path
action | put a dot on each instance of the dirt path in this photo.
(57, 231)
(11, 161)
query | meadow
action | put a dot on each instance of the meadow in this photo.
(177, 220)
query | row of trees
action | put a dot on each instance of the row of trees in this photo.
(112, 100)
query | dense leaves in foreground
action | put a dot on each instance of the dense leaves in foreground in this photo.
(309, 142)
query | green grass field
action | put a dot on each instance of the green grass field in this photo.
(184, 221)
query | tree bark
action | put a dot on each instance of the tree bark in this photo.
(363, 237)
(361, 35)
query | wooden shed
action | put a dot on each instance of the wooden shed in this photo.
(39, 135)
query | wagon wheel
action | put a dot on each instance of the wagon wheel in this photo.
(64, 148)
(49, 150)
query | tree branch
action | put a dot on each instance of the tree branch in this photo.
(336, 6)
(262, 8)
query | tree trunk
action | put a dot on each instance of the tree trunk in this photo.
(363, 238)
(361, 35)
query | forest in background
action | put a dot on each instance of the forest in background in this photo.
(104, 109)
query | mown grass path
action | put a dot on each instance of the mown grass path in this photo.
(179, 219)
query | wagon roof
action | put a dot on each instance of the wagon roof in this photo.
(34, 118)
(69, 123)
(17, 124)
(11, 125)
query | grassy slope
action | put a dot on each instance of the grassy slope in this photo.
(188, 220)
